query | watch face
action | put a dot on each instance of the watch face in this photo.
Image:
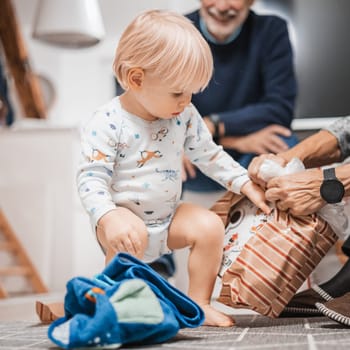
(332, 191)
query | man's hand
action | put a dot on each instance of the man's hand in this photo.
(266, 140)
(299, 193)
(255, 165)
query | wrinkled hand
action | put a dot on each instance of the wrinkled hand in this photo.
(256, 195)
(266, 140)
(188, 169)
(255, 164)
(298, 193)
(123, 231)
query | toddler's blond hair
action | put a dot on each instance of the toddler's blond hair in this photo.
(167, 45)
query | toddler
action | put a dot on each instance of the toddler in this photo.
(130, 178)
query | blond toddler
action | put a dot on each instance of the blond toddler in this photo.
(129, 179)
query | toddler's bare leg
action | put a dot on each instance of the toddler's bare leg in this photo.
(203, 231)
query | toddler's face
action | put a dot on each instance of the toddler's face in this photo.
(158, 100)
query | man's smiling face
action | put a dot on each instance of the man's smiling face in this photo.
(224, 17)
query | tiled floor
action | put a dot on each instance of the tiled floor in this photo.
(23, 335)
(19, 329)
(251, 332)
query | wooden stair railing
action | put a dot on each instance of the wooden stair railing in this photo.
(26, 83)
(23, 267)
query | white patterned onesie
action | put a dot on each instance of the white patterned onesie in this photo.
(133, 163)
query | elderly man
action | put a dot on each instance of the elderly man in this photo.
(249, 103)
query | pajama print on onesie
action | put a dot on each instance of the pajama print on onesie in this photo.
(136, 164)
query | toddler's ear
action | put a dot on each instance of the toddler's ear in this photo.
(135, 78)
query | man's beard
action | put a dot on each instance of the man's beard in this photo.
(222, 15)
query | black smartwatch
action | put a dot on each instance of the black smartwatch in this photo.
(215, 119)
(332, 190)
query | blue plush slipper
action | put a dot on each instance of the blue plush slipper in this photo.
(128, 303)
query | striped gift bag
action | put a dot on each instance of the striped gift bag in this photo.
(275, 260)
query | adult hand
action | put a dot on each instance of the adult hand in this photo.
(255, 165)
(266, 140)
(188, 169)
(299, 193)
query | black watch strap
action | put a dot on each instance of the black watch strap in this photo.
(329, 174)
(215, 119)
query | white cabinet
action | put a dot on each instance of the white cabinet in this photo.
(39, 197)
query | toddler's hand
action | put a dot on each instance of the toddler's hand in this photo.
(123, 231)
(256, 195)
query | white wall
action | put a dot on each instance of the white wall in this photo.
(39, 197)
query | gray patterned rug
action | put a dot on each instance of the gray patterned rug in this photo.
(251, 332)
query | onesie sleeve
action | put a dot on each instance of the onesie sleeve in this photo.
(209, 157)
(99, 141)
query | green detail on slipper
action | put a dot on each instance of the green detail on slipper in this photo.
(134, 302)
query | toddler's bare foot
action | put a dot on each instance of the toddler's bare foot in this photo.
(216, 318)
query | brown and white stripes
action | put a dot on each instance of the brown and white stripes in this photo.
(275, 261)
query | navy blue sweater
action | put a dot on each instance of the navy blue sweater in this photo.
(4, 95)
(253, 84)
